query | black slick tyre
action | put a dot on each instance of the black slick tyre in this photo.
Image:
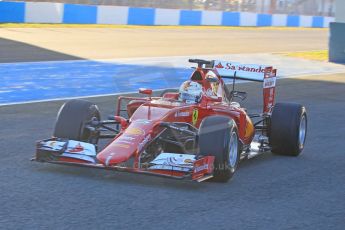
(218, 136)
(72, 118)
(288, 129)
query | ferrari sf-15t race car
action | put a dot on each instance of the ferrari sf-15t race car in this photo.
(199, 132)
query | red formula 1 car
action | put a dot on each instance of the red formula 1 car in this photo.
(198, 133)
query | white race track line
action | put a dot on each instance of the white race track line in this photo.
(288, 67)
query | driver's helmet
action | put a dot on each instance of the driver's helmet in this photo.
(190, 92)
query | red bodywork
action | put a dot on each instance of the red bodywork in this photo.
(146, 115)
(144, 123)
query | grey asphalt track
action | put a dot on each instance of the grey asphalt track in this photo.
(267, 192)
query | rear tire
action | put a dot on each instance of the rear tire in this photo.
(72, 118)
(288, 129)
(218, 137)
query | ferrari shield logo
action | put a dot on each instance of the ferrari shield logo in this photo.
(195, 116)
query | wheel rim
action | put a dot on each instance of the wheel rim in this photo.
(233, 150)
(302, 131)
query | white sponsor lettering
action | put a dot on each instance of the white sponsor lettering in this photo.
(170, 168)
(201, 168)
(269, 82)
(127, 138)
(182, 114)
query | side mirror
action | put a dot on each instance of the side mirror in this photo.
(145, 91)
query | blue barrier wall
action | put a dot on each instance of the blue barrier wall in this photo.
(293, 21)
(231, 19)
(141, 16)
(190, 18)
(26, 12)
(12, 12)
(264, 20)
(317, 21)
(79, 14)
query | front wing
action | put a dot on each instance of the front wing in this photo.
(76, 153)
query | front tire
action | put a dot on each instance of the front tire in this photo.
(288, 129)
(72, 118)
(218, 137)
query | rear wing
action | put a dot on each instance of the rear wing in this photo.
(259, 73)
(250, 72)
